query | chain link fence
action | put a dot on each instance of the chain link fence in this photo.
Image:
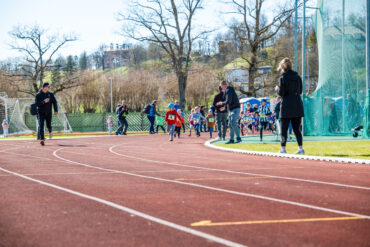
(90, 122)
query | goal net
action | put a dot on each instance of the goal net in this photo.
(16, 111)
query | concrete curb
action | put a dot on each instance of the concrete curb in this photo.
(289, 156)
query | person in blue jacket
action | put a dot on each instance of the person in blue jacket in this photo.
(122, 113)
(151, 116)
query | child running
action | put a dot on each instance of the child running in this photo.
(211, 123)
(160, 124)
(5, 126)
(179, 123)
(264, 112)
(171, 117)
(197, 118)
(110, 125)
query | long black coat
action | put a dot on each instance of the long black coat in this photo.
(290, 89)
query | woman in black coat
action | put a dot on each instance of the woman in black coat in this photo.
(291, 108)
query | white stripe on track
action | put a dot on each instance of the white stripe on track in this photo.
(216, 189)
(237, 172)
(132, 211)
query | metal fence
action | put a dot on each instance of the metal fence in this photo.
(89, 122)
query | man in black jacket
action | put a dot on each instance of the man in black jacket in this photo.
(233, 106)
(221, 113)
(44, 101)
(122, 113)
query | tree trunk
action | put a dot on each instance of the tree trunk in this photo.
(252, 72)
(182, 80)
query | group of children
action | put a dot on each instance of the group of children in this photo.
(175, 121)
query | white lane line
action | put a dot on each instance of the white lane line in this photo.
(63, 173)
(236, 172)
(132, 211)
(216, 189)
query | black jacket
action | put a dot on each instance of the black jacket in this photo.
(122, 112)
(231, 100)
(290, 89)
(45, 108)
(220, 97)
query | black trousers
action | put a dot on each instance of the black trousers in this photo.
(178, 131)
(41, 118)
(296, 124)
(263, 126)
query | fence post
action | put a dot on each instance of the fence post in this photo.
(104, 121)
(142, 122)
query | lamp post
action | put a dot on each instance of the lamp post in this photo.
(111, 94)
(295, 35)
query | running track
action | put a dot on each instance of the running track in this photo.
(146, 191)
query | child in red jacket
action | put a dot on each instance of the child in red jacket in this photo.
(179, 123)
(171, 118)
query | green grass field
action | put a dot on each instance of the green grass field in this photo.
(344, 149)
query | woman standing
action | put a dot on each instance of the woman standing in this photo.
(291, 108)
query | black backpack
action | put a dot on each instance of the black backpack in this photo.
(146, 109)
(33, 109)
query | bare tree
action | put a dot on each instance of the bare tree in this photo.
(169, 24)
(38, 49)
(253, 31)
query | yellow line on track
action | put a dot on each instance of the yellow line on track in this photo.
(210, 223)
(234, 178)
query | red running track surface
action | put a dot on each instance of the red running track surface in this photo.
(147, 191)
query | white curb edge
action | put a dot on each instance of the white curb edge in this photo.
(289, 156)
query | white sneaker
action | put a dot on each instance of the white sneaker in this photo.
(282, 151)
(300, 151)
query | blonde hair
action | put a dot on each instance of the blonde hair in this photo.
(285, 65)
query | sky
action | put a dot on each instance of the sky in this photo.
(93, 21)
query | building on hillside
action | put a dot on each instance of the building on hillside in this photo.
(239, 77)
(117, 56)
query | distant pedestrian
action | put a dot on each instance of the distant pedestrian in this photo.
(110, 124)
(5, 126)
(291, 109)
(151, 116)
(45, 100)
(233, 106)
(122, 112)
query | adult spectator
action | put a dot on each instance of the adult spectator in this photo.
(221, 113)
(291, 109)
(203, 126)
(233, 106)
(122, 113)
(151, 116)
(45, 100)
(249, 108)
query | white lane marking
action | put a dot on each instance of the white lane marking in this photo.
(132, 211)
(63, 173)
(216, 189)
(236, 172)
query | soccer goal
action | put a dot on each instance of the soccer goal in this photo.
(16, 111)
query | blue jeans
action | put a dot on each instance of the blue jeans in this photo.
(171, 130)
(221, 124)
(123, 125)
(210, 129)
(233, 123)
(151, 121)
(197, 127)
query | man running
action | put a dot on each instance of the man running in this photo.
(44, 101)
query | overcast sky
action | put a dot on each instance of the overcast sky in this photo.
(94, 21)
